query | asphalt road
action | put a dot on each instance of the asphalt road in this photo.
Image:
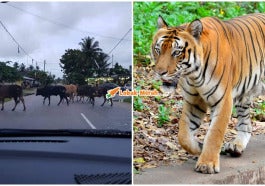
(75, 116)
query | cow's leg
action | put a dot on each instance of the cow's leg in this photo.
(92, 100)
(61, 98)
(3, 101)
(66, 100)
(23, 102)
(44, 100)
(72, 98)
(49, 97)
(111, 103)
(104, 101)
(16, 102)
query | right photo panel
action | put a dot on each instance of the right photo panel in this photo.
(199, 104)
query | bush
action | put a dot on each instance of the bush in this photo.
(176, 13)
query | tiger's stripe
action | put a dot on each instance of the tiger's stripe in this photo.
(217, 64)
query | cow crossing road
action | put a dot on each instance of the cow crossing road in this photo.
(77, 115)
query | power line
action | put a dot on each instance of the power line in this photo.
(120, 40)
(19, 46)
(61, 24)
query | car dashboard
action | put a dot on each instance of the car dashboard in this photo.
(65, 160)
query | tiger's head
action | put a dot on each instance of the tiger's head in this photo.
(176, 50)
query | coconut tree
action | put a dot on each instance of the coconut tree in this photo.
(102, 63)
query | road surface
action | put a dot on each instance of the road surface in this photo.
(75, 116)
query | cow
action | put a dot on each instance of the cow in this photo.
(87, 91)
(71, 91)
(102, 90)
(49, 91)
(12, 91)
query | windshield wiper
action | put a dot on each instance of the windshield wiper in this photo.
(66, 132)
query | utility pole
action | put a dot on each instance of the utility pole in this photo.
(44, 65)
(112, 61)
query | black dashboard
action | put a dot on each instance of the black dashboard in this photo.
(65, 160)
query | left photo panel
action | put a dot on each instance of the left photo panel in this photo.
(64, 68)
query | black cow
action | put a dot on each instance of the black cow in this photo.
(102, 90)
(87, 91)
(11, 91)
(49, 91)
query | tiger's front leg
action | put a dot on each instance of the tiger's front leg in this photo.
(191, 119)
(208, 161)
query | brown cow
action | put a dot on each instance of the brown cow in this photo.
(71, 91)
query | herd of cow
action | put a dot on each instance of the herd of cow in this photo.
(66, 92)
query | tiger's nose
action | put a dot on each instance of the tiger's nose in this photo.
(160, 71)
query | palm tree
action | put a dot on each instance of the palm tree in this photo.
(90, 47)
(103, 65)
(91, 51)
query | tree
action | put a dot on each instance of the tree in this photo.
(72, 65)
(90, 47)
(119, 70)
(8, 74)
(121, 75)
(103, 65)
(22, 67)
(90, 52)
(89, 61)
(16, 65)
(30, 68)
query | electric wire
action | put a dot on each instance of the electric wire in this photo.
(62, 24)
(13, 38)
(59, 24)
(120, 41)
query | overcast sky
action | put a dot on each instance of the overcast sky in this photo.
(46, 29)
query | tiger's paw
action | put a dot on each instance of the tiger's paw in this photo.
(234, 149)
(207, 167)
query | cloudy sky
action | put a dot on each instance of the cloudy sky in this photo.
(46, 29)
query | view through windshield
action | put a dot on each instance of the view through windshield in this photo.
(70, 52)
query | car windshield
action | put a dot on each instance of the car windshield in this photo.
(59, 62)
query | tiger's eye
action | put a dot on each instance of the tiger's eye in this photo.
(176, 53)
(157, 50)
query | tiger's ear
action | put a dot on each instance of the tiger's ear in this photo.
(161, 23)
(195, 28)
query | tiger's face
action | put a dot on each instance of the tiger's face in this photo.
(175, 50)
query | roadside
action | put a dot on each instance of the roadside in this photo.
(156, 147)
(247, 169)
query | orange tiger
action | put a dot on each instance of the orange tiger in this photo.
(217, 64)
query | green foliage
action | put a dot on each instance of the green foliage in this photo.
(260, 110)
(15, 73)
(156, 84)
(89, 61)
(163, 115)
(128, 100)
(138, 104)
(176, 13)
(234, 113)
(158, 98)
(135, 171)
(8, 74)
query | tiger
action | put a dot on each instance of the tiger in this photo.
(218, 65)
